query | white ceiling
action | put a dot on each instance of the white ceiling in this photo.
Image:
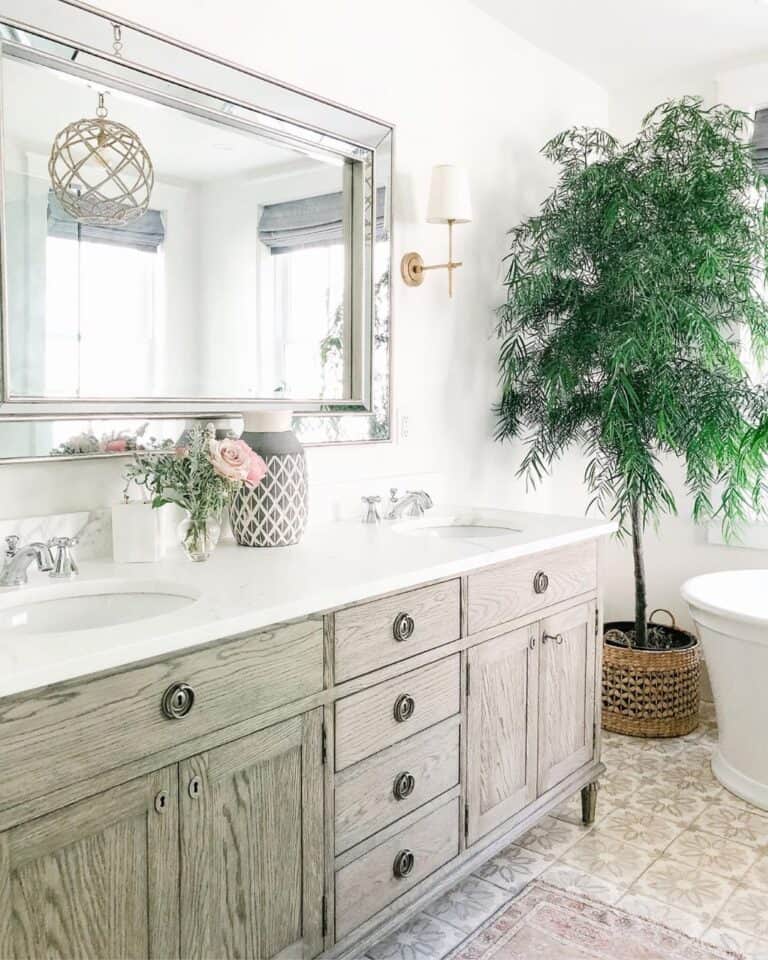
(621, 41)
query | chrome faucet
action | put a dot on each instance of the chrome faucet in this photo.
(17, 560)
(413, 504)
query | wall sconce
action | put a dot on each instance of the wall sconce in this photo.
(448, 203)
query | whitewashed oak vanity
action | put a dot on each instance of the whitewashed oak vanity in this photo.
(295, 788)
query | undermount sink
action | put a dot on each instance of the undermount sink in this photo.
(87, 606)
(464, 526)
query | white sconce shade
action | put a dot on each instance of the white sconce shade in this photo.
(449, 195)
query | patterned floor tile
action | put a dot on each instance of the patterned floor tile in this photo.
(670, 881)
(735, 822)
(746, 910)
(640, 829)
(514, 868)
(757, 875)
(551, 837)
(708, 853)
(664, 913)
(608, 858)
(422, 938)
(577, 881)
(754, 948)
(678, 806)
(468, 904)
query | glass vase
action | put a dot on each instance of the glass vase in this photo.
(198, 536)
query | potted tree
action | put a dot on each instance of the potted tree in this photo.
(628, 295)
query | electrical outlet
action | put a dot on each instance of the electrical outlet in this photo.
(405, 426)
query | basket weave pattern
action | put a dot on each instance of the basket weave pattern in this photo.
(651, 694)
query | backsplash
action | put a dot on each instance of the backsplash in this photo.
(93, 529)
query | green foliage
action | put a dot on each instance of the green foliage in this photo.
(183, 475)
(623, 296)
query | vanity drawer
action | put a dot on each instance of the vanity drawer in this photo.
(380, 876)
(68, 732)
(375, 634)
(378, 791)
(515, 589)
(368, 721)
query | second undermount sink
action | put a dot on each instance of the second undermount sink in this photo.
(90, 605)
(470, 525)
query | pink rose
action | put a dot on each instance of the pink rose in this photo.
(257, 468)
(229, 459)
(119, 445)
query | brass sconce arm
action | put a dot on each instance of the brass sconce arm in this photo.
(413, 268)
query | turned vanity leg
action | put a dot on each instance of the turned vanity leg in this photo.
(589, 803)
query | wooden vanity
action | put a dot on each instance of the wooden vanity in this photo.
(302, 789)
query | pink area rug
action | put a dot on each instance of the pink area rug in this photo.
(545, 923)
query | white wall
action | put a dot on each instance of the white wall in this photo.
(460, 88)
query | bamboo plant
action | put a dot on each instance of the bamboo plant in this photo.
(628, 299)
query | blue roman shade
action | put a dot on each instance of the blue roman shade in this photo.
(310, 222)
(146, 233)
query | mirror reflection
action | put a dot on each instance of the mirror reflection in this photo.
(237, 281)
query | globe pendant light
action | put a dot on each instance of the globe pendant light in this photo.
(100, 170)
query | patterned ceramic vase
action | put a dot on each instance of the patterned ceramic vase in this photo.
(274, 514)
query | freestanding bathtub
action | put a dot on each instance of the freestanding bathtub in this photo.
(730, 610)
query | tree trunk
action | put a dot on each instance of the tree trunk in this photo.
(641, 625)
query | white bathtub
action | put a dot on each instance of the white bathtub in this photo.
(730, 610)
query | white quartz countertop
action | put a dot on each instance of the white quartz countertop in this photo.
(241, 589)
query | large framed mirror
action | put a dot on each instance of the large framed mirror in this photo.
(181, 238)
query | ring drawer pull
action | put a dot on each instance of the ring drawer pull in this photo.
(540, 582)
(405, 707)
(403, 627)
(404, 785)
(404, 863)
(177, 701)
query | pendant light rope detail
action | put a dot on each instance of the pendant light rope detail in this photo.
(100, 170)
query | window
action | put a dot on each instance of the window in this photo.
(101, 317)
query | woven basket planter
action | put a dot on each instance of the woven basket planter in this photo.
(651, 693)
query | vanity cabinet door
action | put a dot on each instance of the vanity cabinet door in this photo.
(566, 693)
(501, 729)
(252, 845)
(96, 879)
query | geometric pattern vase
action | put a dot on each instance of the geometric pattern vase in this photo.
(274, 514)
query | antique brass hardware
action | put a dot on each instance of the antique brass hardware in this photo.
(177, 701)
(404, 863)
(404, 785)
(540, 582)
(405, 707)
(403, 627)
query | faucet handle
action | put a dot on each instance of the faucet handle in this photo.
(11, 545)
(372, 514)
(64, 564)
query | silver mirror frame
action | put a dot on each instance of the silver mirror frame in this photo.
(66, 30)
